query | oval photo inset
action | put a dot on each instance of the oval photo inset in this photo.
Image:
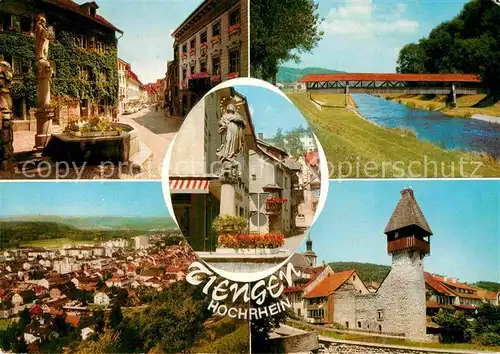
(244, 179)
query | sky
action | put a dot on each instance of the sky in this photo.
(270, 111)
(82, 199)
(147, 26)
(462, 214)
(366, 35)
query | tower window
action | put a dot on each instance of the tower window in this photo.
(359, 324)
(347, 324)
(380, 328)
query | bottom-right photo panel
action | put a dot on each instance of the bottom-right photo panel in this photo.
(394, 266)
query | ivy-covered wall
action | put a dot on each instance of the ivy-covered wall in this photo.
(67, 58)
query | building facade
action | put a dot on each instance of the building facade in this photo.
(82, 51)
(210, 46)
(122, 85)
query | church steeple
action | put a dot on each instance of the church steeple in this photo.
(309, 253)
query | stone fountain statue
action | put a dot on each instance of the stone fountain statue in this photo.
(44, 113)
(231, 126)
(6, 134)
(44, 74)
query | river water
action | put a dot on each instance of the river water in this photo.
(447, 132)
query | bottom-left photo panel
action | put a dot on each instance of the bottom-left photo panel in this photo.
(100, 267)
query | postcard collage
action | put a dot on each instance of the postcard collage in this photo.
(250, 176)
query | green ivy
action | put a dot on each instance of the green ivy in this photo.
(67, 57)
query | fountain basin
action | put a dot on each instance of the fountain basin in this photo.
(94, 148)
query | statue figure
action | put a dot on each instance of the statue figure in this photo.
(5, 84)
(231, 125)
(44, 73)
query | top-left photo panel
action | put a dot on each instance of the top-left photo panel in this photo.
(98, 89)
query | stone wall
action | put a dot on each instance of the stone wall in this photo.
(299, 343)
(398, 307)
(345, 347)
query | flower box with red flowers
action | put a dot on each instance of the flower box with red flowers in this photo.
(200, 75)
(216, 39)
(184, 55)
(192, 52)
(216, 78)
(232, 75)
(203, 45)
(250, 243)
(234, 28)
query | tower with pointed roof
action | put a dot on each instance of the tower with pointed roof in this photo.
(309, 253)
(403, 291)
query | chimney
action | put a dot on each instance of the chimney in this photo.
(261, 136)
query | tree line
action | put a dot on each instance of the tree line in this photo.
(469, 43)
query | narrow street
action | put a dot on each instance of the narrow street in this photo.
(156, 131)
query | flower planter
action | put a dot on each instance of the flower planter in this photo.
(94, 134)
(232, 76)
(247, 251)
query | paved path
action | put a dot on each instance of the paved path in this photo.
(156, 130)
(487, 118)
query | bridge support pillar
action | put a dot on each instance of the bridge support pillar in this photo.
(453, 96)
(347, 95)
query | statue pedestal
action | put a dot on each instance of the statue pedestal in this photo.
(43, 127)
(227, 199)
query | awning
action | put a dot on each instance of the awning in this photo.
(188, 186)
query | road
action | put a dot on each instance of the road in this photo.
(156, 130)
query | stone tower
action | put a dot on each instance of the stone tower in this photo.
(309, 253)
(408, 241)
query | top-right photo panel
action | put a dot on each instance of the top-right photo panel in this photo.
(392, 89)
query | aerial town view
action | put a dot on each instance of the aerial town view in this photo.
(104, 275)
(421, 298)
(244, 178)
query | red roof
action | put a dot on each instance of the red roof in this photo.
(70, 5)
(314, 272)
(73, 320)
(328, 285)
(392, 77)
(36, 310)
(436, 285)
(432, 304)
(486, 294)
(312, 158)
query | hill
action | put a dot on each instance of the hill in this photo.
(287, 74)
(367, 272)
(101, 222)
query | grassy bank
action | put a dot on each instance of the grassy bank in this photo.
(389, 341)
(466, 107)
(357, 148)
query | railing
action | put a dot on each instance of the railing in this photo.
(400, 90)
(408, 243)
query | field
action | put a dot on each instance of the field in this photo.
(390, 341)
(55, 242)
(357, 148)
(466, 105)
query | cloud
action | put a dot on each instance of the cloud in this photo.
(362, 18)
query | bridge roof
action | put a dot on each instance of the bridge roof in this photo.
(392, 77)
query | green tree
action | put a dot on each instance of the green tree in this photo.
(411, 59)
(115, 316)
(280, 31)
(487, 326)
(60, 326)
(262, 327)
(107, 342)
(454, 326)
(99, 321)
(24, 318)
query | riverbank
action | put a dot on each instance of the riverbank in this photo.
(466, 105)
(357, 148)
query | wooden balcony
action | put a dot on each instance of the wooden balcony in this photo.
(410, 242)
